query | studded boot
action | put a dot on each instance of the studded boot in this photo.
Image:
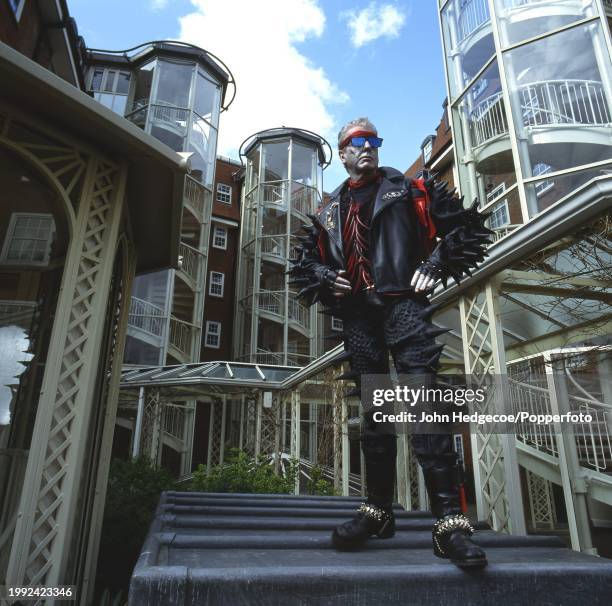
(452, 531)
(374, 517)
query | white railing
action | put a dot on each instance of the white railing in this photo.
(265, 356)
(504, 230)
(593, 440)
(189, 261)
(273, 245)
(550, 103)
(299, 313)
(177, 117)
(488, 119)
(174, 421)
(194, 196)
(275, 193)
(14, 311)
(564, 102)
(302, 200)
(181, 335)
(272, 301)
(146, 316)
(472, 15)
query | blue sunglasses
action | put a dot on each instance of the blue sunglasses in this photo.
(360, 141)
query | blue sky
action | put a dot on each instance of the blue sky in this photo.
(314, 64)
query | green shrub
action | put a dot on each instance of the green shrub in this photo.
(318, 485)
(134, 489)
(243, 473)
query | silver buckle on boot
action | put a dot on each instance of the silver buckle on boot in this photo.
(373, 512)
(449, 524)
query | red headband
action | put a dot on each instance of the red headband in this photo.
(356, 133)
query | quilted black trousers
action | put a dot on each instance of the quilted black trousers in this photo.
(402, 326)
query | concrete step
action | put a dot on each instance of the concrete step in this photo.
(219, 550)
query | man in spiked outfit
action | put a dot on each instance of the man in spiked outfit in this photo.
(372, 252)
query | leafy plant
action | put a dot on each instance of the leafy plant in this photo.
(134, 489)
(243, 473)
(317, 484)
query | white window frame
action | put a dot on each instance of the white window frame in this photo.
(336, 324)
(497, 207)
(542, 186)
(459, 448)
(212, 333)
(222, 192)
(9, 237)
(17, 11)
(224, 237)
(212, 283)
(427, 150)
(496, 192)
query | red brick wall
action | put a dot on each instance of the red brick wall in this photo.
(222, 309)
(28, 36)
(225, 174)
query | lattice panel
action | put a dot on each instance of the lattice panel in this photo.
(338, 388)
(249, 426)
(479, 341)
(151, 425)
(413, 470)
(216, 438)
(541, 502)
(269, 429)
(64, 162)
(58, 459)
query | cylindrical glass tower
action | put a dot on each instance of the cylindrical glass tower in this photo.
(284, 171)
(174, 91)
(530, 90)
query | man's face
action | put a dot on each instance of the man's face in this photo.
(359, 161)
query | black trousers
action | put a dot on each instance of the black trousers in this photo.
(400, 325)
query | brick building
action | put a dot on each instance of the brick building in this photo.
(222, 260)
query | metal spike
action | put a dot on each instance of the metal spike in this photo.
(347, 376)
(435, 331)
(430, 310)
(342, 357)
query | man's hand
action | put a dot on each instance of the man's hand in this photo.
(341, 285)
(423, 280)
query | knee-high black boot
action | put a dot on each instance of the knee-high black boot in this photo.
(375, 516)
(452, 530)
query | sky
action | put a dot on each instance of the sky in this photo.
(313, 64)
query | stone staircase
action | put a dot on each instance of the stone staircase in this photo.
(269, 550)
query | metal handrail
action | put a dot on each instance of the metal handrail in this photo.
(181, 335)
(146, 316)
(473, 15)
(189, 259)
(593, 440)
(550, 103)
(194, 195)
(174, 421)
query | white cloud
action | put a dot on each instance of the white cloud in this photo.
(375, 21)
(277, 84)
(158, 5)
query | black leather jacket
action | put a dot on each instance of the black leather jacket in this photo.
(398, 239)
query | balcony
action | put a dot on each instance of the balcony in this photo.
(146, 321)
(273, 248)
(474, 14)
(553, 112)
(181, 342)
(190, 262)
(194, 198)
(272, 304)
